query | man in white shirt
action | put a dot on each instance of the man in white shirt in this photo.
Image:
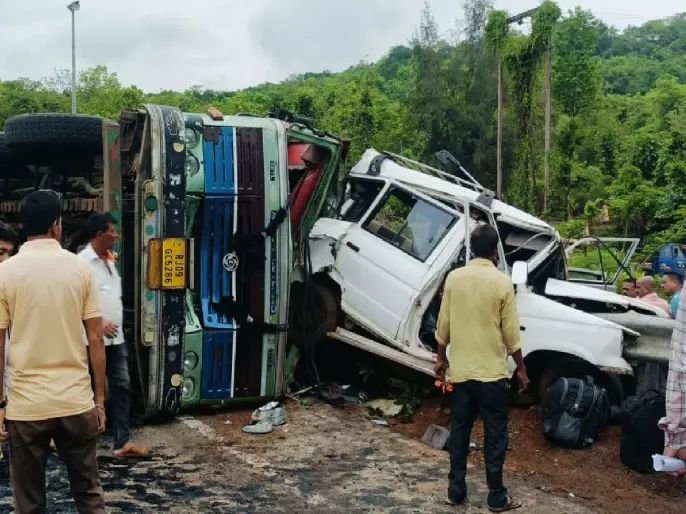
(102, 232)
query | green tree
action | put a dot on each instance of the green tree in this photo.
(100, 92)
(575, 87)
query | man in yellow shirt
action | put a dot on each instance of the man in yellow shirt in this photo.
(478, 327)
(46, 295)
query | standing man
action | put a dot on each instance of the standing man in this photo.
(8, 243)
(102, 232)
(646, 288)
(629, 288)
(672, 282)
(46, 295)
(478, 327)
(674, 422)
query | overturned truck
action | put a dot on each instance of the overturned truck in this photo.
(403, 226)
(212, 210)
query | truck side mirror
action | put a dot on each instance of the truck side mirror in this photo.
(520, 273)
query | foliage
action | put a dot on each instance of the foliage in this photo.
(544, 23)
(575, 66)
(497, 30)
(572, 229)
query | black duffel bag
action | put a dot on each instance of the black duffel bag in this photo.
(641, 437)
(574, 412)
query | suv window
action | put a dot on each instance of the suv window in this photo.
(362, 195)
(409, 223)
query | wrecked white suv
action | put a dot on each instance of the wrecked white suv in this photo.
(380, 264)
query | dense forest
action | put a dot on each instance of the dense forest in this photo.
(618, 154)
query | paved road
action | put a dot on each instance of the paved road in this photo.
(323, 460)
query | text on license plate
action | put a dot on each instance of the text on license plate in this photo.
(174, 263)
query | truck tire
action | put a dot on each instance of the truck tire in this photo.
(321, 317)
(46, 136)
(5, 154)
(10, 166)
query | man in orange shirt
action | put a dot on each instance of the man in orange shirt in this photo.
(46, 295)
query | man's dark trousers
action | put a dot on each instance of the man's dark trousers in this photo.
(75, 438)
(119, 383)
(487, 399)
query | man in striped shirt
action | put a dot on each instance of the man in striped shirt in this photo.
(674, 422)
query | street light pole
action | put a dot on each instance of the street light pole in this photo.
(73, 7)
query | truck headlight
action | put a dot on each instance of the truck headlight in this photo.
(190, 361)
(188, 388)
(191, 137)
(192, 165)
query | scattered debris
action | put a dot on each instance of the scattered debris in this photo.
(436, 436)
(331, 393)
(227, 422)
(384, 407)
(294, 396)
(353, 394)
(380, 422)
(266, 418)
(261, 428)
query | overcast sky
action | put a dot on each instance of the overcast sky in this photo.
(232, 44)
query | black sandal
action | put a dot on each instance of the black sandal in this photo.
(510, 505)
(455, 503)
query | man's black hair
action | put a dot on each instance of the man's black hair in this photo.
(8, 234)
(676, 276)
(99, 222)
(484, 241)
(39, 211)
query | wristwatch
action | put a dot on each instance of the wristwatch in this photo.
(3, 404)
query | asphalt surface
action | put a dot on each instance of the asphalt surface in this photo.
(323, 460)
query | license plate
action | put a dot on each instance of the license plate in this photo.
(174, 263)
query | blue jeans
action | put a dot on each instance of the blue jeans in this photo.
(488, 399)
(119, 383)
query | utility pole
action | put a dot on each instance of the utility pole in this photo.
(518, 18)
(548, 114)
(499, 141)
(73, 7)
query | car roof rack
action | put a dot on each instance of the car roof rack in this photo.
(469, 183)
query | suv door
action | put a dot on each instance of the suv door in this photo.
(600, 261)
(385, 258)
